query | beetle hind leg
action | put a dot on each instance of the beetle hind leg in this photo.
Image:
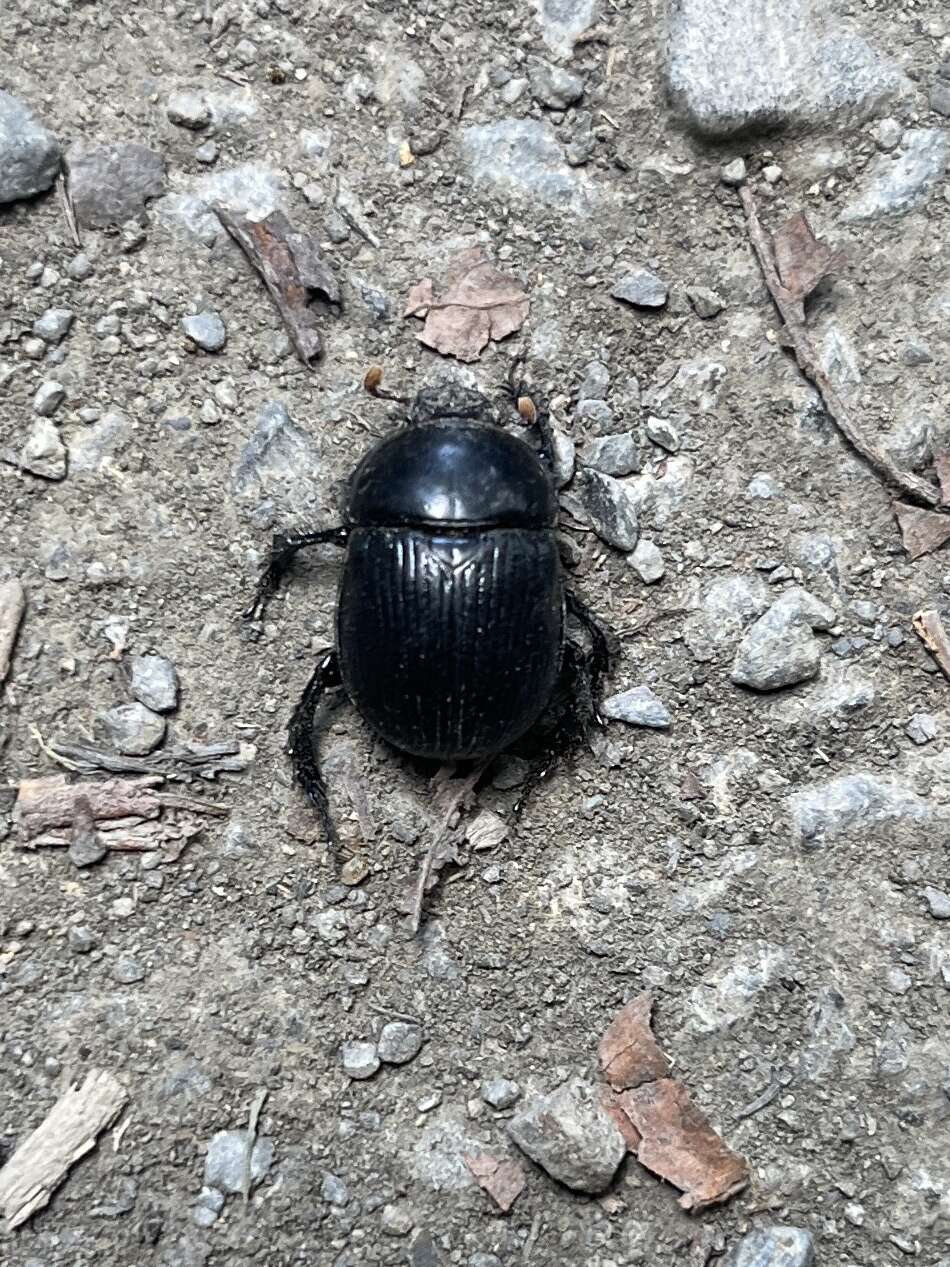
(283, 550)
(516, 388)
(303, 743)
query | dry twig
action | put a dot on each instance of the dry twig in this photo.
(69, 212)
(252, 1120)
(806, 261)
(436, 855)
(12, 607)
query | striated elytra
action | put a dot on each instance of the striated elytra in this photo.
(451, 616)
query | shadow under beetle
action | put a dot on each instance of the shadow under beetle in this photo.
(451, 636)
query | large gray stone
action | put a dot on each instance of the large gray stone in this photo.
(226, 1161)
(778, 1246)
(822, 811)
(111, 183)
(570, 1135)
(29, 154)
(736, 67)
(779, 649)
(898, 185)
(522, 159)
(611, 509)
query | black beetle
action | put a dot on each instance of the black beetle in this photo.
(451, 639)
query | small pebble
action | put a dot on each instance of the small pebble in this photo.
(49, 396)
(207, 153)
(397, 1219)
(706, 303)
(772, 174)
(399, 1042)
(938, 902)
(334, 1190)
(188, 110)
(922, 728)
(127, 971)
(663, 433)
(595, 382)
(154, 682)
(133, 729)
(207, 330)
(44, 453)
(647, 561)
(641, 288)
(359, 1060)
(81, 939)
(734, 173)
(53, 325)
(225, 1161)
(86, 849)
(500, 1093)
(637, 707)
(613, 455)
(79, 267)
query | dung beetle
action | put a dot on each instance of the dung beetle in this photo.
(451, 637)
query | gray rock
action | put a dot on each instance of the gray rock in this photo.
(154, 682)
(555, 87)
(43, 454)
(728, 994)
(641, 288)
(514, 90)
(110, 184)
(753, 66)
(940, 98)
(209, 1205)
(776, 1246)
(334, 1190)
(726, 607)
(189, 110)
(706, 303)
(251, 189)
(898, 185)
(207, 330)
(500, 1093)
(86, 849)
(522, 159)
(79, 267)
(887, 134)
(597, 412)
(922, 728)
(225, 1159)
(595, 382)
(399, 1042)
(821, 811)
(133, 729)
(81, 939)
(570, 1135)
(29, 154)
(562, 21)
(938, 902)
(613, 455)
(49, 396)
(564, 455)
(662, 432)
(54, 324)
(360, 1060)
(733, 174)
(647, 561)
(397, 1219)
(92, 450)
(278, 466)
(638, 706)
(611, 508)
(127, 971)
(779, 649)
(763, 485)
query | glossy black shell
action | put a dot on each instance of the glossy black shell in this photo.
(450, 623)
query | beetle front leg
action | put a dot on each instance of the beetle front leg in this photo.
(283, 549)
(533, 409)
(302, 743)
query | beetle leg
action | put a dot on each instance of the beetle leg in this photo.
(518, 390)
(283, 549)
(599, 658)
(303, 744)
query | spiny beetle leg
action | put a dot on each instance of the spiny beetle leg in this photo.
(283, 549)
(303, 743)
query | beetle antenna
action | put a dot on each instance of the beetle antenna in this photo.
(371, 383)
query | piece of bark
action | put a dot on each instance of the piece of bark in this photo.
(679, 1145)
(292, 269)
(12, 607)
(478, 304)
(207, 760)
(612, 1103)
(929, 629)
(629, 1054)
(51, 801)
(68, 1132)
(802, 261)
(792, 311)
(504, 1181)
(922, 531)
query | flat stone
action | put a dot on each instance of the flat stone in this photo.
(54, 324)
(207, 330)
(754, 66)
(613, 455)
(276, 470)
(49, 396)
(127, 971)
(819, 812)
(110, 184)
(896, 185)
(360, 1060)
(399, 1042)
(597, 412)
(334, 1190)
(638, 706)
(777, 1246)
(500, 1093)
(133, 729)
(706, 303)
(938, 902)
(555, 87)
(641, 288)
(563, 21)
(564, 456)
(523, 159)
(611, 508)
(570, 1135)
(154, 682)
(81, 939)
(225, 1161)
(189, 110)
(662, 432)
(595, 383)
(922, 728)
(779, 649)
(29, 153)
(647, 561)
(44, 453)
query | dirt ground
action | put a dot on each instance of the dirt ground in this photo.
(762, 864)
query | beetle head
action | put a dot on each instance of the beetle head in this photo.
(450, 400)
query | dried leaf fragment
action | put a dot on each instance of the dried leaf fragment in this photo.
(802, 261)
(922, 531)
(629, 1054)
(504, 1181)
(68, 1132)
(478, 304)
(929, 629)
(679, 1145)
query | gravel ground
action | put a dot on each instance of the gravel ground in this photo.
(760, 834)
